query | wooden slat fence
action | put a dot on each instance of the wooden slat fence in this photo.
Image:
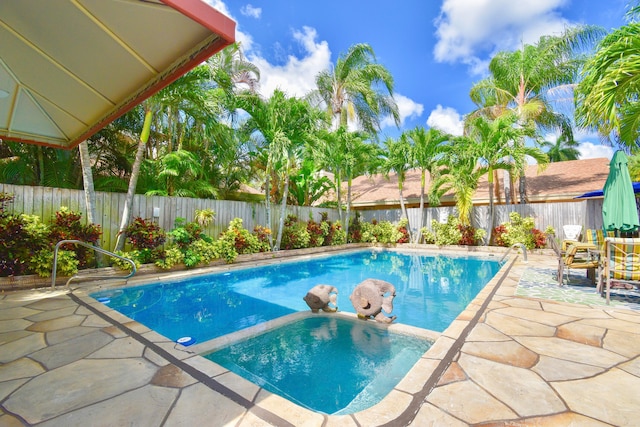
(45, 201)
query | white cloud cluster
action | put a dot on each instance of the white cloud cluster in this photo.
(470, 31)
(446, 119)
(589, 150)
(251, 11)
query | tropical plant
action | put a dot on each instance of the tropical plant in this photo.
(530, 81)
(428, 146)
(565, 148)
(520, 230)
(398, 153)
(358, 88)
(607, 96)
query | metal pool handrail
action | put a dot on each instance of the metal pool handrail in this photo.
(95, 248)
(521, 245)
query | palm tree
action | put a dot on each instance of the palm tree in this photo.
(607, 96)
(353, 89)
(565, 148)
(427, 153)
(529, 81)
(399, 160)
(284, 125)
(494, 142)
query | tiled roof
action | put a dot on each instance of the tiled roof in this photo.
(560, 181)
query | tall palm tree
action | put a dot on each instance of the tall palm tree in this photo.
(565, 148)
(427, 153)
(358, 88)
(398, 153)
(531, 80)
(607, 96)
(494, 142)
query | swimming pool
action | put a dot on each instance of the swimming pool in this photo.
(431, 290)
(326, 363)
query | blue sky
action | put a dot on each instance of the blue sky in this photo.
(435, 50)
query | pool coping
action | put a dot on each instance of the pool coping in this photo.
(399, 407)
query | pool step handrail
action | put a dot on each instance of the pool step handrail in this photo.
(521, 246)
(95, 248)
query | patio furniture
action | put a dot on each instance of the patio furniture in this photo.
(571, 235)
(621, 261)
(568, 260)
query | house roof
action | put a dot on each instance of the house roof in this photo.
(560, 181)
(70, 67)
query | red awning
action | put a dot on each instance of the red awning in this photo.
(70, 67)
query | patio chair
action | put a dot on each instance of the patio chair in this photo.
(621, 263)
(571, 234)
(568, 260)
(596, 237)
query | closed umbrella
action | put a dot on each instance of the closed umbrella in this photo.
(619, 210)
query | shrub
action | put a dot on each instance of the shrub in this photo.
(263, 233)
(520, 230)
(144, 234)
(67, 225)
(295, 234)
(453, 233)
(337, 233)
(316, 233)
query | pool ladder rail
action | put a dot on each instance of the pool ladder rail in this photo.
(519, 245)
(95, 248)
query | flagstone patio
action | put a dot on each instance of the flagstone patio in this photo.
(525, 352)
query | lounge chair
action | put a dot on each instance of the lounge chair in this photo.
(621, 261)
(596, 237)
(568, 260)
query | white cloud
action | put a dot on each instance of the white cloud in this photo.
(297, 75)
(253, 12)
(407, 108)
(446, 119)
(470, 31)
(589, 150)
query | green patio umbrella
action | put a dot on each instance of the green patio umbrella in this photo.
(619, 210)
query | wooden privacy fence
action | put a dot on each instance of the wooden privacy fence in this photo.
(45, 201)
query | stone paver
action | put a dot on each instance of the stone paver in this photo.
(535, 354)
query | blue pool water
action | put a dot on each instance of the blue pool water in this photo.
(431, 290)
(326, 364)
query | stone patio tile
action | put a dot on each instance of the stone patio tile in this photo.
(10, 313)
(582, 333)
(7, 420)
(56, 337)
(8, 387)
(510, 325)
(287, 410)
(616, 325)
(21, 347)
(570, 419)
(251, 420)
(470, 403)
(523, 303)
(70, 351)
(515, 387)
(572, 351)
(628, 315)
(58, 323)
(114, 331)
(340, 421)
(21, 368)
(551, 319)
(484, 332)
(574, 310)
(118, 349)
(8, 337)
(96, 321)
(243, 387)
(455, 329)
(509, 352)
(431, 416)
(52, 314)
(439, 348)
(54, 303)
(146, 406)
(386, 410)
(14, 325)
(632, 367)
(600, 397)
(206, 366)
(172, 376)
(553, 369)
(622, 343)
(154, 357)
(453, 373)
(77, 385)
(419, 374)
